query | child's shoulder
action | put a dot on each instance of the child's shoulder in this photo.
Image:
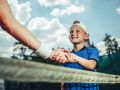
(92, 49)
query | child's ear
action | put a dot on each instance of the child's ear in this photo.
(86, 36)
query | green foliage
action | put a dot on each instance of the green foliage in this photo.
(109, 64)
(104, 61)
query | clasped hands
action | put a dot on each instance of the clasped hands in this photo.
(62, 56)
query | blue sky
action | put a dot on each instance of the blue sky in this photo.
(50, 20)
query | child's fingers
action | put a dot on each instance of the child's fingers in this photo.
(63, 59)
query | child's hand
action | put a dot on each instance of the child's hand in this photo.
(66, 58)
(62, 58)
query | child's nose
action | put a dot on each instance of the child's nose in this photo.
(74, 33)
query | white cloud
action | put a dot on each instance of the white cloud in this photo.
(75, 9)
(22, 11)
(68, 10)
(56, 12)
(49, 3)
(118, 10)
(41, 23)
(101, 47)
(57, 39)
(38, 23)
(57, 34)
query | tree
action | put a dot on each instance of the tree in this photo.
(20, 51)
(111, 44)
(115, 45)
(108, 44)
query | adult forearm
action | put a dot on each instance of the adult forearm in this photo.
(19, 32)
(13, 27)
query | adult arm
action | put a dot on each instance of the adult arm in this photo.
(14, 28)
(19, 32)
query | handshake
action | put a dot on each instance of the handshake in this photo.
(62, 56)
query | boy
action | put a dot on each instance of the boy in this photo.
(82, 57)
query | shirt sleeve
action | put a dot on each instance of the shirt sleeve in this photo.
(94, 55)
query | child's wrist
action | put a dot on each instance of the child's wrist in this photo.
(73, 58)
(76, 60)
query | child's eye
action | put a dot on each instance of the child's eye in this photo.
(78, 31)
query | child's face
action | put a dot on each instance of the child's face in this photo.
(77, 35)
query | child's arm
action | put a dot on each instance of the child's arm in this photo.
(89, 64)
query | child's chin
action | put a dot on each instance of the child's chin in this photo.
(74, 42)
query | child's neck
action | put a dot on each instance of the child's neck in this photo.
(78, 47)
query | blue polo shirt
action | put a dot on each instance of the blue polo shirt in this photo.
(87, 53)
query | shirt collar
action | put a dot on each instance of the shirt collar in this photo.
(79, 50)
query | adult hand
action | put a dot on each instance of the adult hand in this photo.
(60, 56)
(63, 57)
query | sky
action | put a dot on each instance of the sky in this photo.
(50, 20)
